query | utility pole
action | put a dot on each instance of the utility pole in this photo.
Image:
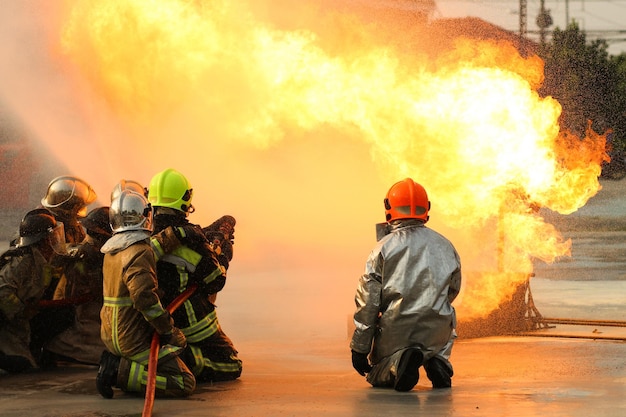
(523, 7)
(544, 20)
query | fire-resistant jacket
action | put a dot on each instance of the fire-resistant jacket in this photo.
(83, 271)
(404, 298)
(193, 262)
(23, 282)
(130, 294)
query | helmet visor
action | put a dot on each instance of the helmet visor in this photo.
(57, 239)
(69, 194)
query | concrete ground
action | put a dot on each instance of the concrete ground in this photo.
(499, 376)
(292, 368)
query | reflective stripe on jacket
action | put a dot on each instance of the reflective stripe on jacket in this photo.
(130, 299)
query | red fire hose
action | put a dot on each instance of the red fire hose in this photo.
(154, 354)
(65, 302)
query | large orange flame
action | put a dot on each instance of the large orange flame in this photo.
(465, 121)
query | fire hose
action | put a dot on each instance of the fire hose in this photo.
(65, 302)
(154, 353)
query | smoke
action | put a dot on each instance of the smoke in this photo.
(294, 117)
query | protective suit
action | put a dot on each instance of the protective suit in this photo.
(83, 271)
(24, 282)
(132, 310)
(404, 302)
(210, 353)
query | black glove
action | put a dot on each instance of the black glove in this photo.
(191, 233)
(175, 338)
(360, 363)
(225, 226)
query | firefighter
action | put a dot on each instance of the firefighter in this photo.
(67, 198)
(132, 310)
(404, 316)
(23, 281)
(81, 342)
(210, 353)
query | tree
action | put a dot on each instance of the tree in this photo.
(589, 83)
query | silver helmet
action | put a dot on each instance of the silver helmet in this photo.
(130, 211)
(127, 185)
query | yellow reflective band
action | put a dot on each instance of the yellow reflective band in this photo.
(183, 278)
(211, 277)
(156, 247)
(203, 329)
(118, 302)
(188, 254)
(115, 335)
(135, 377)
(222, 366)
(153, 312)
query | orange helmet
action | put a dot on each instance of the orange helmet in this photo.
(407, 200)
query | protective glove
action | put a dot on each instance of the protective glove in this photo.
(360, 363)
(175, 338)
(190, 232)
(164, 324)
(221, 235)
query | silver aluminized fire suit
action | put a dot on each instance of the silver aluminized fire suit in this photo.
(404, 298)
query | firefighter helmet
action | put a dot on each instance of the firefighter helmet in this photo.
(68, 195)
(407, 199)
(97, 222)
(38, 225)
(130, 211)
(171, 189)
(127, 185)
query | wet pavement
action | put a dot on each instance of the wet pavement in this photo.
(496, 376)
(293, 367)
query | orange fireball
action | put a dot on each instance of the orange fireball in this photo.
(466, 122)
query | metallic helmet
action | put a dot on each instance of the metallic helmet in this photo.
(127, 185)
(406, 199)
(97, 222)
(130, 211)
(171, 189)
(38, 225)
(69, 194)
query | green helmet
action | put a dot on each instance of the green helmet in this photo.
(171, 189)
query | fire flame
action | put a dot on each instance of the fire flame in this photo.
(465, 121)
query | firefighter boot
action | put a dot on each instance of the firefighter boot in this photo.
(439, 373)
(408, 370)
(107, 374)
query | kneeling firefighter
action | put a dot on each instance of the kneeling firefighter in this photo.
(210, 353)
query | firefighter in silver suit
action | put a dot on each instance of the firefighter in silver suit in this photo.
(404, 315)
